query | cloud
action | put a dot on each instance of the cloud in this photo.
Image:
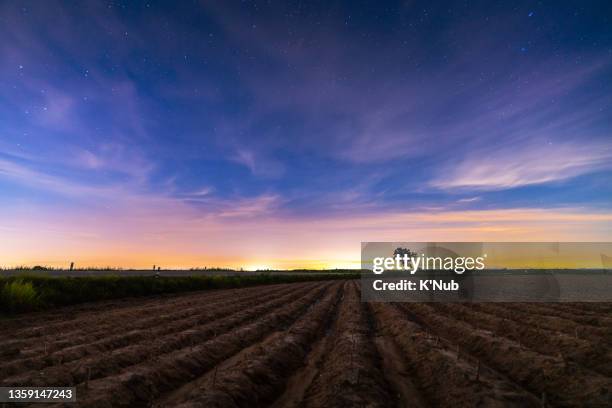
(401, 105)
(133, 192)
(27, 176)
(250, 207)
(205, 191)
(469, 199)
(523, 166)
(258, 166)
(134, 124)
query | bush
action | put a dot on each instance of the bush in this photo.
(31, 292)
(18, 296)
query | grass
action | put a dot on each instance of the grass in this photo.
(18, 295)
(31, 292)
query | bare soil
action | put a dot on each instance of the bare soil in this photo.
(313, 344)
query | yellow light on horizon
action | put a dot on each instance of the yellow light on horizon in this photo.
(258, 267)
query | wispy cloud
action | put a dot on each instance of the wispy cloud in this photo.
(261, 206)
(248, 127)
(257, 165)
(203, 192)
(413, 108)
(26, 176)
(533, 164)
(469, 199)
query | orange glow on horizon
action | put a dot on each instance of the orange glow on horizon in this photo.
(175, 237)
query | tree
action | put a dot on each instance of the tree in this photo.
(403, 251)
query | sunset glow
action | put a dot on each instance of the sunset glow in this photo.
(227, 135)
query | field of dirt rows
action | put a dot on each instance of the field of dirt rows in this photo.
(313, 344)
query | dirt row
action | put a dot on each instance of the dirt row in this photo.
(542, 374)
(350, 373)
(73, 364)
(315, 344)
(581, 317)
(147, 381)
(104, 328)
(583, 308)
(444, 375)
(257, 374)
(21, 331)
(552, 324)
(590, 354)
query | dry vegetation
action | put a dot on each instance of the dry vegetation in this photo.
(313, 344)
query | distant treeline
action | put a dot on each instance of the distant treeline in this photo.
(39, 268)
(31, 292)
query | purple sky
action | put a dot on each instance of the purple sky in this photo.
(283, 134)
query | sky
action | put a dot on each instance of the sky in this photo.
(282, 134)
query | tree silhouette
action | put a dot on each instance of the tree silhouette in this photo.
(403, 251)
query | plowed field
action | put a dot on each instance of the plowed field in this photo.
(313, 345)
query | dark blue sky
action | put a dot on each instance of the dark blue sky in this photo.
(302, 110)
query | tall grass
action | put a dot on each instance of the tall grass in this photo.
(19, 295)
(33, 292)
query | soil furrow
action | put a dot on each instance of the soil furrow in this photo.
(37, 346)
(351, 374)
(105, 322)
(442, 376)
(549, 323)
(143, 383)
(582, 309)
(104, 364)
(563, 384)
(256, 375)
(134, 338)
(313, 344)
(395, 368)
(579, 318)
(593, 355)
